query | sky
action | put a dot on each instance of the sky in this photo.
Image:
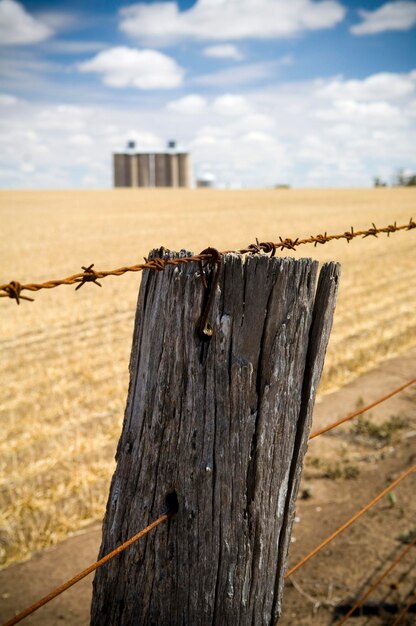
(309, 93)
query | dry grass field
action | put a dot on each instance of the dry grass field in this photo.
(64, 358)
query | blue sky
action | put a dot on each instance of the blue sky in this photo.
(312, 93)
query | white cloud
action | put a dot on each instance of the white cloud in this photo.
(75, 47)
(81, 139)
(27, 168)
(8, 100)
(212, 136)
(74, 119)
(224, 51)
(25, 72)
(18, 27)
(257, 137)
(389, 17)
(370, 113)
(193, 104)
(231, 105)
(257, 121)
(90, 181)
(58, 20)
(381, 86)
(143, 139)
(228, 19)
(204, 139)
(129, 67)
(247, 73)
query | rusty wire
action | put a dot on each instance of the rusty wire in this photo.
(361, 411)
(376, 583)
(352, 519)
(56, 592)
(13, 289)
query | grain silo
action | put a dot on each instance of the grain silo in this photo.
(170, 168)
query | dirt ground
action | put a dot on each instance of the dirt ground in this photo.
(344, 469)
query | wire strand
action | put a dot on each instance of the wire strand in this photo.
(14, 289)
(56, 592)
(361, 411)
(352, 519)
(380, 579)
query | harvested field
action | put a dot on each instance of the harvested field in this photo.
(64, 358)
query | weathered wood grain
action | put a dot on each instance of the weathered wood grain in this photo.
(224, 424)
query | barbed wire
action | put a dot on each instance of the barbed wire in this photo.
(14, 289)
(361, 411)
(352, 519)
(56, 592)
(379, 580)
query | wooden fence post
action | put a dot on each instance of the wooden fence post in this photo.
(221, 425)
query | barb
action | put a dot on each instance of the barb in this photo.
(56, 592)
(11, 290)
(361, 411)
(379, 580)
(352, 519)
(89, 276)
